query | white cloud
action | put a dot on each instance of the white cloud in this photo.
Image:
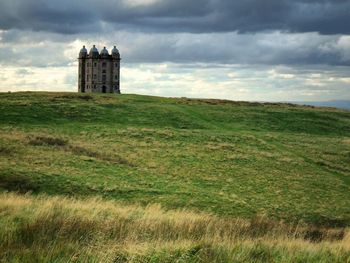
(139, 3)
(38, 79)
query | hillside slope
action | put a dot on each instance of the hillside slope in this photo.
(227, 158)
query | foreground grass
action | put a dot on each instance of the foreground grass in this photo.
(58, 229)
(64, 155)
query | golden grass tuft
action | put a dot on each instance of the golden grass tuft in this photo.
(61, 227)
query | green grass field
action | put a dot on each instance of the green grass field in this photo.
(227, 159)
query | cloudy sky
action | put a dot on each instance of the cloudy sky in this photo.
(271, 50)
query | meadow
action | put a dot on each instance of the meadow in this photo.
(131, 178)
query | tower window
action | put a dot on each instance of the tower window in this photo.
(103, 71)
(103, 77)
(95, 64)
(116, 76)
(104, 64)
(116, 65)
(95, 76)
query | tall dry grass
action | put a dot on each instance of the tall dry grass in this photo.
(60, 229)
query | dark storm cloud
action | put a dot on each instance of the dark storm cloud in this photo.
(69, 17)
(232, 48)
(41, 15)
(42, 49)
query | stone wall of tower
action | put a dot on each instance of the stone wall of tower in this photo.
(99, 73)
(116, 75)
(81, 75)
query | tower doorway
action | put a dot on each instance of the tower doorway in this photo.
(104, 89)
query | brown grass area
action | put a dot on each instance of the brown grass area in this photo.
(346, 141)
(76, 148)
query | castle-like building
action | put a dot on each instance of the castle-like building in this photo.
(99, 72)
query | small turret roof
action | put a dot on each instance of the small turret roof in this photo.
(104, 52)
(115, 50)
(93, 50)
(83, 50)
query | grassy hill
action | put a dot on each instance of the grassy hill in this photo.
(223, 158)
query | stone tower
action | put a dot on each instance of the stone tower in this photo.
(99, 72)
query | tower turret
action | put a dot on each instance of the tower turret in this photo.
(115, 52)
(104, 53)
(83, 52)
(82, 69)
(93, 52)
